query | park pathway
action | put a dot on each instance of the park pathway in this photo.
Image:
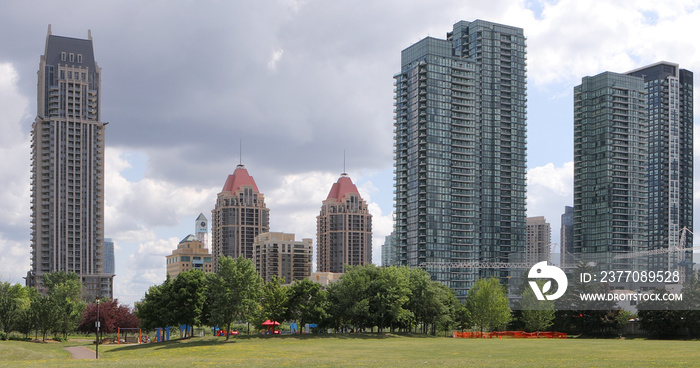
(81, 352)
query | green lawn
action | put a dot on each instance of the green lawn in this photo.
(367, 350)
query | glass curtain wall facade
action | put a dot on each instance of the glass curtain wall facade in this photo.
(610, 170)
(460, 152)
(670, 168)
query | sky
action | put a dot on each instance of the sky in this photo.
(297, 91)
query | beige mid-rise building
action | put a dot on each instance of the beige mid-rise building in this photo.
(279, 254)
(238, 217)
(191, 254)
(539, 234)
(343, 229)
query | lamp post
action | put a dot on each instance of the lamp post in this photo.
(97, 330)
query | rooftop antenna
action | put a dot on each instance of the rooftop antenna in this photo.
(240, 153)
(344, 172)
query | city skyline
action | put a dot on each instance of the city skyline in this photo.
(298, 78)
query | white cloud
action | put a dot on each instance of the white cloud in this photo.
(549, 189)
(145, 268)
(579, 38)
(276, 56)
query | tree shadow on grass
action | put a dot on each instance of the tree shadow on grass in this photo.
(199, 342)
(174, 344)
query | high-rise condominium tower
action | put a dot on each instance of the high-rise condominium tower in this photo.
(670, 160)
(343, 229)
(68, 143)
(634, 165)
(610, 170)
(566, 237)
(460, 143)
(238, 217)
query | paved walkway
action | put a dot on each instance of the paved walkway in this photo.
(81, 352)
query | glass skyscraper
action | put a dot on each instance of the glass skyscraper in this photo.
(634, 167)
(460, 152)
(610, 169)
(670, 154)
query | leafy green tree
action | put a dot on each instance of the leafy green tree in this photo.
(349, 299)
(13, 299)
(536, 315)
(463, 317)
(26, 321)
(65, 290)
(186, 298)
(234, 291)
(274, 300)
(421, 293)
(45, 314)
(388, 293)
(488, 304)
(306, 303)
(153, 310)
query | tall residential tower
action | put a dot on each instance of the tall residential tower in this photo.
(68, 145)
(343, 229)
(610, 170)
(634, 166)
(460, 152)
(238, 217)
(670, 159)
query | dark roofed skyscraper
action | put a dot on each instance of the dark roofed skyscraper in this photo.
(670, 168)
(68, 168)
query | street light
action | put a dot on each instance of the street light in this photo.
(97, 330)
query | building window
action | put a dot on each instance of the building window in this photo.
(63, 56)
(72, 57)
(80, 58)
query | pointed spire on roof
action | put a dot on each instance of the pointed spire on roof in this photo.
(342, 187)
(201, 217)
(239, 178)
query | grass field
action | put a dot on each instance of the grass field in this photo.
(366, 350)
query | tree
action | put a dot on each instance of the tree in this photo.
(186, 298)
(153, 310)
(112, 316)
(349, 298)
(61, 307)
(306, 303)
(13, 299)
(591, 317)
(463, 317)
(45, 315)
(273, 300)
(536, 315)
(488, 304)
(388, 294)
(234, 291)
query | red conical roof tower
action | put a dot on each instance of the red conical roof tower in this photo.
(342, 187)
(239, 178)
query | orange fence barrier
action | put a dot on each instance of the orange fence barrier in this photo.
(512, 334)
